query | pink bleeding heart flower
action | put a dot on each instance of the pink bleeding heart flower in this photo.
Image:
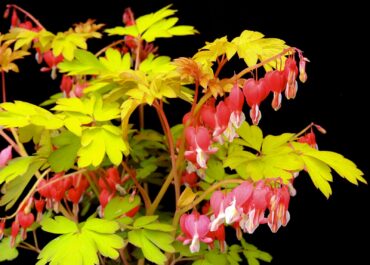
(229, 208)
(254, 209)
(199, 145)
(255, 91)
(291, 72)
(195, 228)
(276, 81)
(217, 202)
(278, 207)
(5, 156)
(235, 201)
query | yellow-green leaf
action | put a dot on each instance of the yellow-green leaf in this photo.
(252, 135)
(319, 173)
(186, 197)
(7, 253)
(59, 225)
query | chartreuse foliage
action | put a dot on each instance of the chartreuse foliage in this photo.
(257, 157)
(80, 243)
(84, 136)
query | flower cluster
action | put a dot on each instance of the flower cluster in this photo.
(244, 208)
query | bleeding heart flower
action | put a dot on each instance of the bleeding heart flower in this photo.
(14, 232)
(2, 228)
(52, 62)
(255, 91)
(291, 72)
(195, 228)
(199, 145)
(25, 220)
(276, 81)
(278, 207)
(235, 102)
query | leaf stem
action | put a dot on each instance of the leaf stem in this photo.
(3, 87)
(109, 46)
(35, 239)
(32, 190)
(251, 68)
(171, 145)
(10, 141)
(138, 185)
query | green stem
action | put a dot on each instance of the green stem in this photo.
(92, 184)
(35, 239)
(28, 246)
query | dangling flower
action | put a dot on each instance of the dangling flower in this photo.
(309, 138)
(254, 209)
(52, 62)
(25, 220)
(199, 145)
(235, 201)
(235, 102)
(278, 206)
(302, 69)
(2, 228)
(195, 228)
(216, 119)
(217, 204)
(276, 81)
(255, 92)
(14, 232)
(291, 72)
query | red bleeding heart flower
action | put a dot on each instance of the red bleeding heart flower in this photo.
(276, 81)
(291, 72)
(25, 220)
(2, 227)
(235, 102)
(255, 91)
(14, 232)
(52, 61)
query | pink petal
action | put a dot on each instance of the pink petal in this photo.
(190, 136)
(203, 225)
(216, 202)
(5, 155)
(203, 138)
(236, 99)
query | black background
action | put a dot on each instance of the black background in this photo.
(321, 231)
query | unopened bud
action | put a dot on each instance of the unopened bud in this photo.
(320, 129)
(6, 13)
